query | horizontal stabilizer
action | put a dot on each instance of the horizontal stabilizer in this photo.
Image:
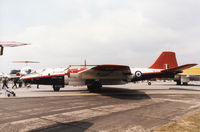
(179, 68)
(12, 43)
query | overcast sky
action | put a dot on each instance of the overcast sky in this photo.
(129, 32)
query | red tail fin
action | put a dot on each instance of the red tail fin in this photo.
(165, 61)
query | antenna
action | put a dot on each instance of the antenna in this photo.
(85, 63)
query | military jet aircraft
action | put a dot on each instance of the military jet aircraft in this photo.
(94, 76)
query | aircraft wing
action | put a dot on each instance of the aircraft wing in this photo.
(9, 44)
(106, 71)
(179, 68)
(12, 43)
(26, 62)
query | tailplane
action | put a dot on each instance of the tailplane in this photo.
(165, 61)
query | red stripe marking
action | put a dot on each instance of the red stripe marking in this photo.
(43, 76)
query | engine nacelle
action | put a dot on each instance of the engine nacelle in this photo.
(76, 82)
(66, 80)
(74, 75)
(73, 79)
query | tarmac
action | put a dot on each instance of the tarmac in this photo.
(130, 108)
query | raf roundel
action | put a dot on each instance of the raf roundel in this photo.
(138, 73)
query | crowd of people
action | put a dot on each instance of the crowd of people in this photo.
(16, 83)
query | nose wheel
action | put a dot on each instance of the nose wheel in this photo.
(149, 83)
(56, 88)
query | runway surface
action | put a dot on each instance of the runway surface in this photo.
(132, 107)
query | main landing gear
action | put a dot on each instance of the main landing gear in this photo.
(179, 83)
(56, 88)
(94, 87)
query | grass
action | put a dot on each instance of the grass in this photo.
(189, 124)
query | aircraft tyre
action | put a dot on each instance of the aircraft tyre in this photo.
(56, 88)
(149, 83)
(178, 82)
(185, 83)
(95, 87)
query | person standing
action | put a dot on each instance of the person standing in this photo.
(15, 83)
(20, 83)
(5, 82)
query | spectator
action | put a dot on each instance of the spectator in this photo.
(5, 82)
(15, 83)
